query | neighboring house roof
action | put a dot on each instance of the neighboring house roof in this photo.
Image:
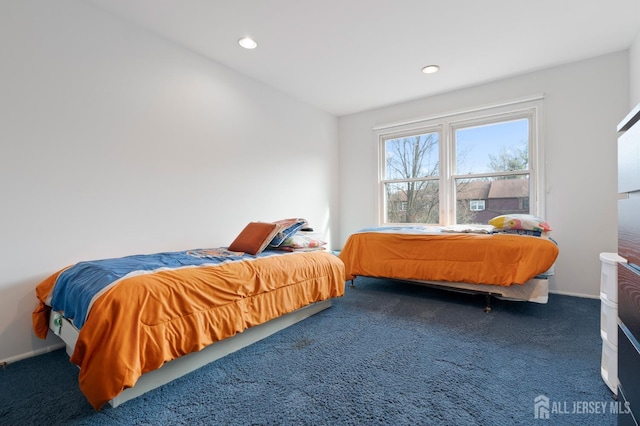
(502, 188)
(474, 190)
(509, 188)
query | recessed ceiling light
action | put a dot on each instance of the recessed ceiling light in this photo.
(430, 69)
(247, 43)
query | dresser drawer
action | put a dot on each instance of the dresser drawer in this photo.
(629, 374)
(629, 229)
(624, 418)
(629, 160)
(629, 298)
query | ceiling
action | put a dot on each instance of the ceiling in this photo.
(346, 56)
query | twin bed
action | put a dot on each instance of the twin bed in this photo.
(509, 266)
(134, 323)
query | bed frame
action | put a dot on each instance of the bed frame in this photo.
(535, 290)
(190, 362)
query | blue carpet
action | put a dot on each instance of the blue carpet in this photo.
(385, 353)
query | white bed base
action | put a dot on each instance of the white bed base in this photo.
(188, 363)
(535, 290)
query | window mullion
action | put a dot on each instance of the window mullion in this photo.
(447, 186)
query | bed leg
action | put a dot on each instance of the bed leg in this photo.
(487, 307)
(351, 284)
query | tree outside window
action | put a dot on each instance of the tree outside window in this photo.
(411, 179)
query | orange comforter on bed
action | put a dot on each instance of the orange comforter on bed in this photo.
(498, 259)
(147, 320)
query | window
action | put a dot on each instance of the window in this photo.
(463, 167)
(412, 178)
(476, 205)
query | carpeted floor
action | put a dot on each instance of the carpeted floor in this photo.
(385, 353)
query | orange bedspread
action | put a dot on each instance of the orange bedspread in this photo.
(497, 259)
(150, 319)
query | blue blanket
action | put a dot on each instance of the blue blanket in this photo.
(76, 287)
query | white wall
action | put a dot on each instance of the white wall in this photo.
(583, 103)
(634, 71)
(115, 142)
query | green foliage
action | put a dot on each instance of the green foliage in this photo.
(510, 159)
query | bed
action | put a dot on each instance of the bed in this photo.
(478, 260)
(134, 323)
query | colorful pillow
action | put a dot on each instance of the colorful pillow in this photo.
(300, 241)
(520, 221)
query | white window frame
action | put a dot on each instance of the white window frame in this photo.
(480, 205)
(530, 108)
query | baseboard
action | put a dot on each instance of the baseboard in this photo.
(31, 354)
(568, 293)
